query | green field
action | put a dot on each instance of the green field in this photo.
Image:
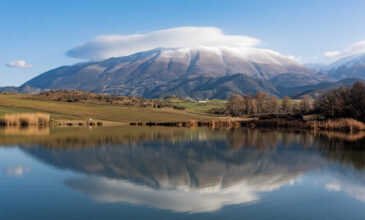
(18, 103)
(196, 107)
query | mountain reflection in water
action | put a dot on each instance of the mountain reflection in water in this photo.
(196, 170)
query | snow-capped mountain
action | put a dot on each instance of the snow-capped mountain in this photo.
(314, 66)
(139, 73)
(347, 67)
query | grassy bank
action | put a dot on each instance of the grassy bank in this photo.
(194, 114)
(78, 111)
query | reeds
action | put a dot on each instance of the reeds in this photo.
(224, 124)
(25, 119)
(194, 123)
(342, 124)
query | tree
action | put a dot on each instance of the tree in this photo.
(236, 105)
(261, 102)
(305, 104)
(286, 104)
(343, 102)
(273, 105)
(250, 104)
(357, 100)
(331, 103)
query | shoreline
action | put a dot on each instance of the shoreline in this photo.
(341, 124)
(307, 122)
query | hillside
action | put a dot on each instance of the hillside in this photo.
(316, 90)
(215, 88)
(106, 112)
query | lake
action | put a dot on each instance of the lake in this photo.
(180, 173)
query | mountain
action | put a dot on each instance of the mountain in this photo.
(21, 89)
(314, 66)
(226, 86)
(347, 67)
(141, 73)
(315, 90)
(214, 88)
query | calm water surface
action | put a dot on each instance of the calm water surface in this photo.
(178, 173)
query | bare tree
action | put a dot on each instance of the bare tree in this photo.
(236, 105)
(274, 105)
(305, 104)
(343, 102)
(331, 103)
(262, 102)
(357, 99)
(248, 99)
(286, 104)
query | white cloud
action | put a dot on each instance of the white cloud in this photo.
(351, 50)
(333, 187)
(332, 53)
(105, 46)
(353, 187)
(295, 58)
(180, 198)
(19, 64)
(17, 170)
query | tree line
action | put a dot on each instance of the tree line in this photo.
(261, 103)
(334, 103)
(343, 102)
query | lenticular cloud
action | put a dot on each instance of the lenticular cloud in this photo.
(106, 46)
(352, 50)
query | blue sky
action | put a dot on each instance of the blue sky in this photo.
(41, 32)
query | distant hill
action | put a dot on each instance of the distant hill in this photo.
(315, 90)
(21, 89)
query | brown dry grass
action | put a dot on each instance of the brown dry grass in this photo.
(342, 124)
(191, 123)
(224, 124)
(25, 119)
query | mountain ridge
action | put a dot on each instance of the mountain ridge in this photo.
(140, 73)
(222, 87)
(346, 67)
